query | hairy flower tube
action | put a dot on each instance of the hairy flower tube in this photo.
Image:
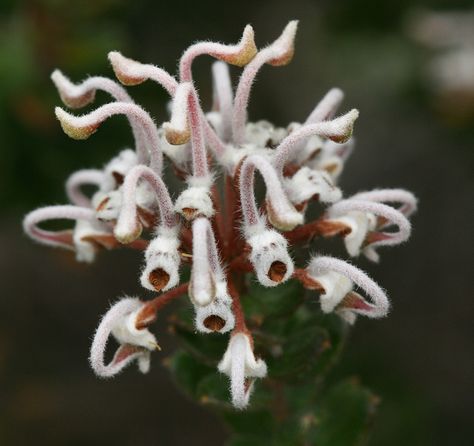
(215, 227)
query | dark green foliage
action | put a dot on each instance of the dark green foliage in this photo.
(294, 405)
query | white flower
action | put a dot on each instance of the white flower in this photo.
(360, 223)
(162, 260)
(241, 366)
(107, 205)
(264, 134)
(269, 256)
(307, 183)
(337, 279)
(217, 316)
(117, 168)
(84, 231)
(196, 199)
(134, 343)
(81, 239)
(336, 286)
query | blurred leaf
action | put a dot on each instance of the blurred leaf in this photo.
(187, 372)
(343, 416)
(251, 424)
(261, 302)
(214, 389)
(303, 346)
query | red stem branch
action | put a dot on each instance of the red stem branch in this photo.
(148, 314)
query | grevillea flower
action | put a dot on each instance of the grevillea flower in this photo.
(216, 228)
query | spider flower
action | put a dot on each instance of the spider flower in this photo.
(215, 226)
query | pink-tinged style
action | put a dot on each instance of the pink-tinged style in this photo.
(79, 95)
(280, 52)
(326, 107)
(81, 127)
(81, 178)
(128, 227)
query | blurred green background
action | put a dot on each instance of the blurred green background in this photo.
(410, 134)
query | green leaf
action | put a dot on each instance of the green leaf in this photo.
(214, 389)
(342, 417)
(188, 372)
(260, 302)
(251, 423)
(303, 346)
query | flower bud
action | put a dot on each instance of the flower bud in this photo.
(162, 262)
(216, 317)
(196, 200)
(270, 258)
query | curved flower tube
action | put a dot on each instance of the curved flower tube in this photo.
(338, 130)
(128, 227)
(130, 72)
(80, 178)
(381, 238)
(280, 52)
(208, 285)
(241, 366)
(223, 98)
(79, 95)
(135, 344)
(337, 287)
(206, 269)
(117, 168)
(81, 127)
(407, 200)
(186, 109)
(281, 212)
(195, 200)
(240, 54)
(326, 107)
(86, 226)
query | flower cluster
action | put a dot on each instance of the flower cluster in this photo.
(215, 225)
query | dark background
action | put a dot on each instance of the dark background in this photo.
(419, 360)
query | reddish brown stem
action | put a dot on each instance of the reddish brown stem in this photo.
(354, 301)
(148, 314)
(373, 237)
(240, 325)
(320, 227)
(231, 209)
(110, 242)
(306, 280)
(241, 263)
